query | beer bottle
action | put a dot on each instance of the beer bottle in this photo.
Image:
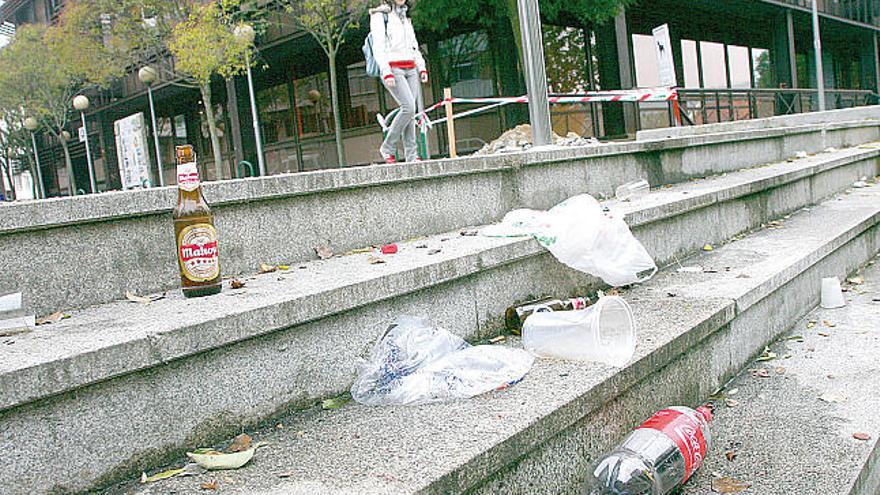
(197, 253)
(515, 316)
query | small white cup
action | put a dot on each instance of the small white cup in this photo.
(832, 296)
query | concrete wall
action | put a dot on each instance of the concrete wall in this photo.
(75, 252)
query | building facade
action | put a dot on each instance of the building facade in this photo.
(733, 58)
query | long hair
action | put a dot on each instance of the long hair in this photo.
(393, 3)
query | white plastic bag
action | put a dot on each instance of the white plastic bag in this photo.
(578, 233)
(416, 363)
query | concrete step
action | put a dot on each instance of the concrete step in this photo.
(782, 437)
(156, 379)
(101, 246)
(540, 436)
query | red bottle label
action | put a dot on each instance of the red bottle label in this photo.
(199, 256)
(687, 434)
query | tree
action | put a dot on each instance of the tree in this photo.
(204, 45)
(44, 68)
(328, 21)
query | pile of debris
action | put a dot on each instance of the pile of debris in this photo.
(520, 139)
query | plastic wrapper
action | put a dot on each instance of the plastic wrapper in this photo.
(417, 363)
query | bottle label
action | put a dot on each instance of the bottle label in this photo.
(188, 176)
(687, 434)
(198, 253)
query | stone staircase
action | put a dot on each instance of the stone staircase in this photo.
(120, 387)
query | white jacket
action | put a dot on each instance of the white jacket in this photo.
(398, 44)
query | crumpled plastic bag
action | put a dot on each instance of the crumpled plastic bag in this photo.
(579, 234)
(417, 363)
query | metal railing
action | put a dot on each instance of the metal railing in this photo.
(709, 106)
(864, 11)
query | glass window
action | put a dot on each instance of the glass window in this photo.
(364, 93)
(276, 114)
(763, 68)
(713, 61)
(313, 105)
(465, 65)
(566, 60)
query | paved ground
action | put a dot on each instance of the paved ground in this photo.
(792, 432)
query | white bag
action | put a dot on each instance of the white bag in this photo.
(579, 234)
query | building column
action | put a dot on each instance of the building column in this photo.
(232, 109)
(614, 47)
(244, 142)
(782, 53)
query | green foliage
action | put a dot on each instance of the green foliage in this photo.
(327, 21)
(204, 45)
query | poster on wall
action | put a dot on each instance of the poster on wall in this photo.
(131, 151)
(663, 49)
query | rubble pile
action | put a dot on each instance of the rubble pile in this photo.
(520, 139)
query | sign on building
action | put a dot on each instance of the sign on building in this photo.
(132, 152)
(663, 49)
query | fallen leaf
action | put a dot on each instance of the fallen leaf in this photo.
(131, 296)
(795, 337)
(266, 268)
(832, 398)
(760, 373)
(210, 485)
(731, 455)
(733, 391)
(284, 268)
(731, 403)
(811, 324)
(236, 283)
(433, 251)
(375, 260)
(862, 436)
(829, 324)
(164, 475)
(768, 355)
(240, 443)
(856, 280)
(500, 338)
(53, 318)
(335, 402)
(780, 370)
(228, 480)
(361, 250)
(728, 485)
(323, 252)
(708, 247)
(823, 334)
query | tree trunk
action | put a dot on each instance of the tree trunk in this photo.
(71, 180)
(212, 129)
(337, 114)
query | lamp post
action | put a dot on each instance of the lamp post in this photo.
(817, 47)
(535, 71)
(31, 125)
(245, 33)
(148, 76)
(81, 103)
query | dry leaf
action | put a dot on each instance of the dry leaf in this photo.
(856, 280)
(131, 296)
(500, 338)
(708, 247)
(324, 252)
(360, 250)
(728, 485)
(236, 283)
(336, 402)
(375, 260)
(731, 455)
(823, 334)
(862, 436)
(828, 324)
(768, 355)
(228, 480)
(210, 485)
(760, 373)
(265, 268)
(160, 476)
(240, 443)
(53, 318)
(780, 370)
(731, 403)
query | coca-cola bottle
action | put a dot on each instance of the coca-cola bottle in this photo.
(197, 252)
(656, 458)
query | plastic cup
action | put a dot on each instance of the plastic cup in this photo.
(632, 190)
(604, 332)
(832, 296)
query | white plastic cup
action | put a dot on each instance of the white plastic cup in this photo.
(632, 190)
(604, 332)
(832, 296)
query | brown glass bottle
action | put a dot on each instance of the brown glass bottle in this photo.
(198, 256)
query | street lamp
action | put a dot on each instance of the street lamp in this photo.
(81, 103)
(817, 47)
(148, 76)
(535, 72)
(245, 33)
(31, 125)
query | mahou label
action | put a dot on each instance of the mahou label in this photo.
(198, 253)
(685, 431)
(188, 176)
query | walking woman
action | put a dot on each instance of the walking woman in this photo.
(396, 50)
